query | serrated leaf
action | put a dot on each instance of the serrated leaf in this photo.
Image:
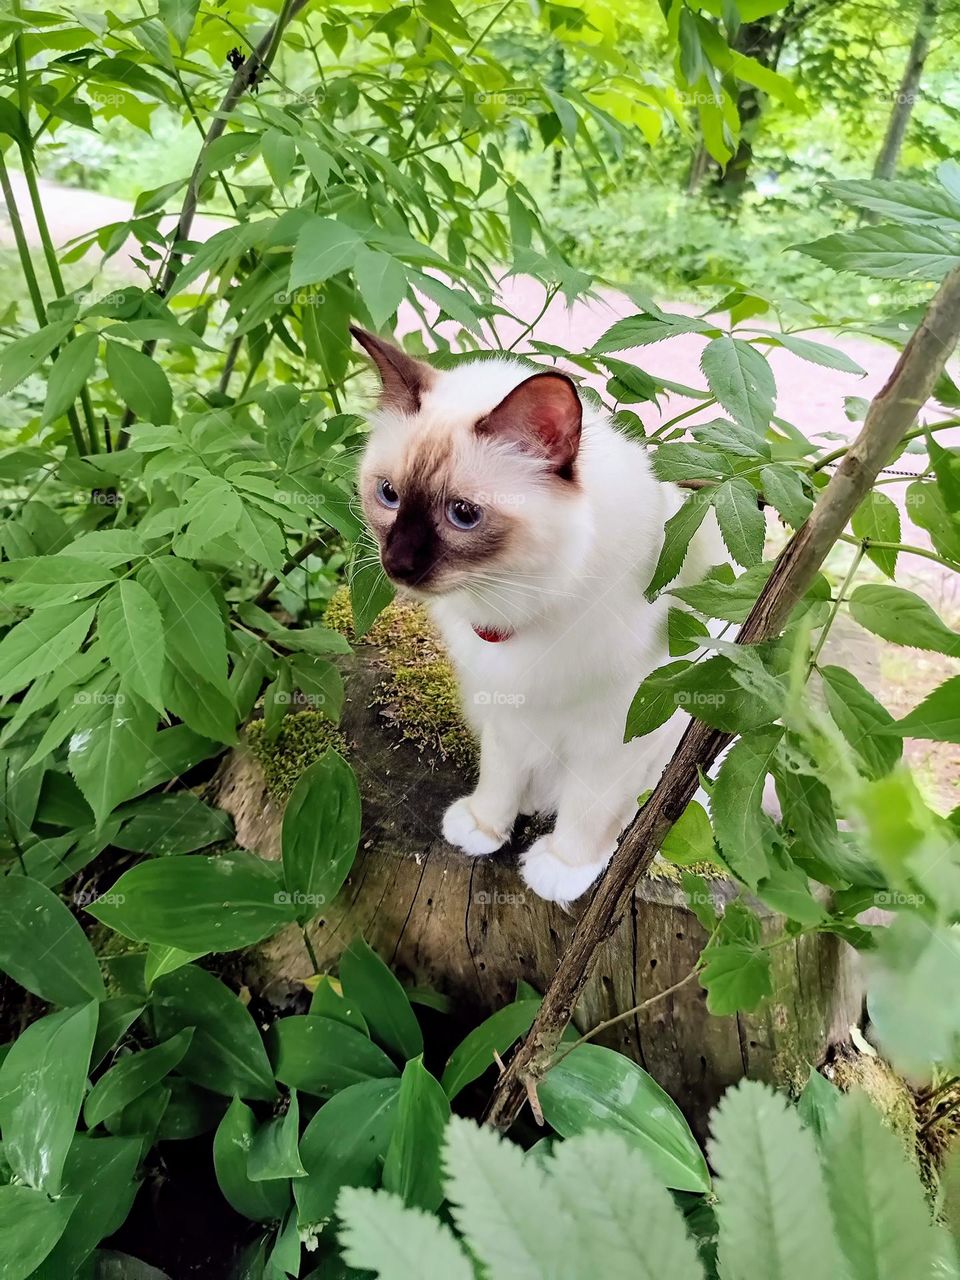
(381, 283)
(741, 380)
(818, 353)
(677, 533)
(862, 720)
(741, 521)
(889, 252)
(324, 247)
(735, 967)
(742, 829)
(936, 719)
(783, 489)
(378, 1233)
(131, 627)
(878, 518)
(901, 617)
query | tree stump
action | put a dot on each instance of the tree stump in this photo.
(470, 928)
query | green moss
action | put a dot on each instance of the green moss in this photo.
(303, 738)
(890, 1094)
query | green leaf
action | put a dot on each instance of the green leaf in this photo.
(741, 380)
(645, 328)
(370, 588)
(131, 627)
(783, 489)
(273, 1152)
(901, 617)
(773, 1211)
(41, 643)
(139, 382)
(132, 1076)
(379, 1234)
(162, 825)
(161, 960)
(117, 1015)
(226, 1053)
(197, 903)
(595, 1088)
(260, 1201)
(382, 284)
(324, 248)
(192, 618)
(44, 580)
(382, 1000)
(344, 1145)
(321, 1056)
(914, 964)
(328, 1001)
(735, 968)
(108, 758)
(818, 1105)
(741, 521)
(677, 533)
(43, 947)
(30, 1226)
(730, 601)
(101, 1172)
(817, 353)
(879, 1208)
(319, 834)
(743, 830)
(859, 717)
(279, 155)
(927, 508)
(889, 252)
(42, 1082)
(25, 356)
(475, 1053)
(178, 16)
(902, 201)
(936, 719)
(71, 370)
(878, 518)
(412, 1165)
(690, 839)
(685, 632)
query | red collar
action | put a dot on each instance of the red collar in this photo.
(493, 635)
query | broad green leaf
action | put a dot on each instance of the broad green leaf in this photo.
(685, 632)
(192, 618)
(928, 509)
(328, 1001)
(132, 1076)
(381, 999)
(47, 580)
(43, 947)
(381, 282)
(901, 201)
(42, 1082)
(889, 252)
(645, 328)
(901, 617)
(116, 1016)
(878, 1202)
(735, 967)
(30, 1226)
(817, 353)
(595, 1088)
(859, 717)
(108, 758)
(324, 247)
(344, 1146)
(728, 600)
(71, 370)
(914, 964)
(677, 533)
(260, 1201)
(178, 16)
(169, 824)
(131, 627)
(25, 355)
(273, 1152)
(742, 829)
(783, 489)
(140, 382)
(818, 1105)
(741, 521)
(279, 155)
(370, 588)
(773, 1210)
(475, 1053)
(197, 903)
(226, 1053)
(690, 839)
(741, 380)
(380, 1234)
(412, 1165)
(161, 960)
(936, 719)
(654, 702)
(319, 834)
(100, 1172)
(321, 1056)
(878, 518)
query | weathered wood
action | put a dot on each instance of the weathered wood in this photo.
(470, 928)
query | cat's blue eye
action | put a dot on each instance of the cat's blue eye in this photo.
(387, 495)
(463, 514)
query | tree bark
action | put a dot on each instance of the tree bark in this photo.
(886, 165)
(891, 414)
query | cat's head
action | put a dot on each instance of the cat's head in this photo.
(471, 474)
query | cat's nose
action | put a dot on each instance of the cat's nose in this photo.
(406, 562)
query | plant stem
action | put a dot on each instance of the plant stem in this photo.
(301, 554)
(627, 1013)
(310, 951)
(687, 413)
(911, 435)
(835, 608)
(906, 547)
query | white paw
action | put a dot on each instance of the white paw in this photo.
(462, 828)
(554, 879)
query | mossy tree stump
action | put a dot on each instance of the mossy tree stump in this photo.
(471, 929)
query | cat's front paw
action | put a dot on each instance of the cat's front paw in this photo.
(462, 828)
(552, 877)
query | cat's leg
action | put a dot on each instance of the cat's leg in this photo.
(481, 823)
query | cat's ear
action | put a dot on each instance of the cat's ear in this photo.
(403, 379)
(543, 416)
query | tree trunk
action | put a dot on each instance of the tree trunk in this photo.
(471, 929)
(886, 165)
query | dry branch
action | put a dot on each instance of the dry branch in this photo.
(891, 414)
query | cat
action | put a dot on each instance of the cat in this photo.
(529, 526)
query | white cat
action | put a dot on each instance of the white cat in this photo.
(529, 526)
